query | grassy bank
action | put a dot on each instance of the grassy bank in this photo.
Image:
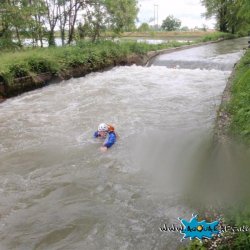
(192, 35)
(30, 62)
(239, 129)
(237, 109)
(216, 36)
(239, 105)
(58, 61)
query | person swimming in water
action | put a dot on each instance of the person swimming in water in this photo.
(107, 132)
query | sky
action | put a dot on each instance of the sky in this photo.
(188, 11)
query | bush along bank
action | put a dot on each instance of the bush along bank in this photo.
(32, 68)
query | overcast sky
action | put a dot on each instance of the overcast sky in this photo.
(188, 11)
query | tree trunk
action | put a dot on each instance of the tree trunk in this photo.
(18, 37)
(52, 38)
(222, 20)
(72, 24)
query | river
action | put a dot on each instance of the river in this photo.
(58, 191)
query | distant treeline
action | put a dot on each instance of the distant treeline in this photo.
(42, 20)
(38, 19)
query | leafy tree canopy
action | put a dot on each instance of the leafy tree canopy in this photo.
(171, 23)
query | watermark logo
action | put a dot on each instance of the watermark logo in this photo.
(194, 229)
(198, 229)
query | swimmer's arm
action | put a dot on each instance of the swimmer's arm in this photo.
(111, 141)
(96, 134)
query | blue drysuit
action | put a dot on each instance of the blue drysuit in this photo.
(110, 139)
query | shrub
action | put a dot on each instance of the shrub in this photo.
(40, 65)
(19, 70)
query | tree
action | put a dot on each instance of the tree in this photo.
(74, 7)
(52, 18)
(144, 27)
(7, 14)
(184, 28)
(204, 27)
(217, 9)
(231, 15)
(171, 23)
(35, 25)
(244, 14)
(37, 19)
(113, 15)
(121, 14)
(63, 18)
(17, 19)
(84, 30)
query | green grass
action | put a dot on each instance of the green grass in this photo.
(32, 61)
(239, 110)
(38, 60)
(216, 36)
(239, 106)
(168, 34)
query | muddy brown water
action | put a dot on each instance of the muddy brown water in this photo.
(57, 191)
